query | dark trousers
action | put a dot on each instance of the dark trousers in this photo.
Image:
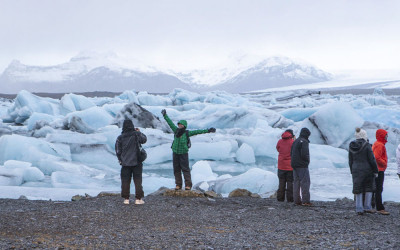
(379, 190)
(181, 165)
(301, 184)
(285, 185)
(127, 172)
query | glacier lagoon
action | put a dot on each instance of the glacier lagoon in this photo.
(57, 148)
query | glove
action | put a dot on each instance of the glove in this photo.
(120, 163)
(211, 130)
(376, 175)
(163, 112)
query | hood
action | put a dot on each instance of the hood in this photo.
(357, 145)
(127, 126)
(183, 122)
(305, 133)
(287, 135)
(380, 135)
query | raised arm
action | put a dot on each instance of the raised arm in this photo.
(201, 131)
(168, 120)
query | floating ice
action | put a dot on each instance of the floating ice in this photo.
(93, 118)
(298, 114)
(202, 172)
(255, 180)
(72, 103)
(245, 154)
(22, 148)
(336, 122)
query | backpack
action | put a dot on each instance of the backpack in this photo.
(141, 154)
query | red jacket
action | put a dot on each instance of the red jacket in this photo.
(284, 146)
(379, 149)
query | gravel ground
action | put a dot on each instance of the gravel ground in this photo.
(176, 223)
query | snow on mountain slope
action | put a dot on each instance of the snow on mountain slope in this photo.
(107, 72)
(86, 72)
(274, 72)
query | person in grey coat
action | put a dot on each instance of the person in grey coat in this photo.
(300, 159)
(363, 169)
(127, 150)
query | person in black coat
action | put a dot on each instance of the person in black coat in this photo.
(363, 168)
(300, 159)
(127, 149)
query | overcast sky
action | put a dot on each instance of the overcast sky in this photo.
(333, 35)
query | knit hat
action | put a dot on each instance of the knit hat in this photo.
(290, 131)
(361, 134)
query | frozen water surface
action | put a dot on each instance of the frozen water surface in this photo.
(54, 149)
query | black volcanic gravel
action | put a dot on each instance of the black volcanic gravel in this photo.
(181, 223)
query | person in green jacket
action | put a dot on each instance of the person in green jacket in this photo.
(180, 149)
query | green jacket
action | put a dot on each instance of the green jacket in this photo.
(179, 145)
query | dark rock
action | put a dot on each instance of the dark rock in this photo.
(183, 193)
(160, 191)
(110, 193)
(212, 194)
(77, 197)
(239, 193)
(22, 197)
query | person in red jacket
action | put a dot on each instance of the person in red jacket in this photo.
(379, 150)
(285, 170)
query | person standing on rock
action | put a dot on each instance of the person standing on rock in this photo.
(363, 168)
(127, 149)
(379, 150)
(285, 170)
(180, 148)
(300, 159)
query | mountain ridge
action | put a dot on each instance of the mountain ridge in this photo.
(93, 72)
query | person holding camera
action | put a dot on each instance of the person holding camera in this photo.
(127, 148)
(180, 148)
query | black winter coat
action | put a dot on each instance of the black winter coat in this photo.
(362, 166)
(127, 147)
(300, 152)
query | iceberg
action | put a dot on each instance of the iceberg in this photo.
(71, 103)
(336, 122)
(89, 119)
(202, 172)
(255, 180)
(245, 154)
(26, 103)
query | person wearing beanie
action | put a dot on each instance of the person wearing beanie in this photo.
(180, 149)
(127, 149)
(363, 167)
(300, 159)
(379, 150)
(285, 170)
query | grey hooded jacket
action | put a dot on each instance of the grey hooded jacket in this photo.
(126, 146)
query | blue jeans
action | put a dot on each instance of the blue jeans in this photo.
(367, 202)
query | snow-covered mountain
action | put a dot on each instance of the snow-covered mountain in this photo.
(85, 73)
(273, 72)
(105, 72)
